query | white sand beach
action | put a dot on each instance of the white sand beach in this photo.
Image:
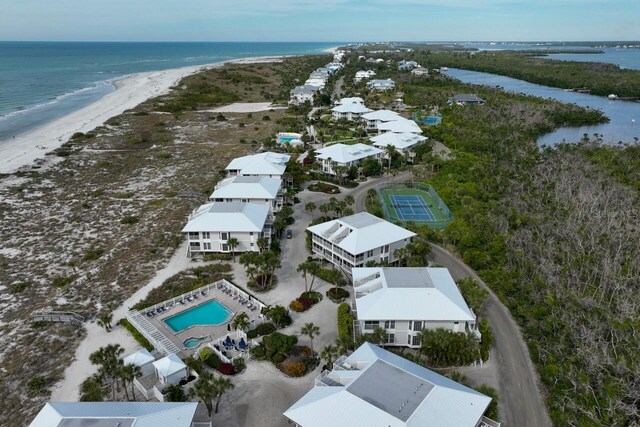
(129, 92)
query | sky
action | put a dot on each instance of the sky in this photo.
(319, 20)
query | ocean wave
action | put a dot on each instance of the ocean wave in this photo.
(97, 87)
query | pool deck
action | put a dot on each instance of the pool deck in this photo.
(210, 332)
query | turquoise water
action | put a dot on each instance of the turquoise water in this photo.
(209, 313)
(284, 139)
(43, 81)
(193, 342)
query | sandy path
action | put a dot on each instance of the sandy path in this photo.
(67, 389)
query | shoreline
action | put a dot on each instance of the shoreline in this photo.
(130, 91)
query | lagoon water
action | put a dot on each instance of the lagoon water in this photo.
(624, 116)
(42, 81)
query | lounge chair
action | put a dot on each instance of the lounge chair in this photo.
(195, 296)
(203, 293)
(189, 299)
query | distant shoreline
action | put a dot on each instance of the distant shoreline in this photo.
(130, 91)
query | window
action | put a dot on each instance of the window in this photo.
(194, 236)
(369, 254)
(390, 324)
(416, 341)
(417, 325)
(409, 339)
(224, 236)
(225, 247)
(385, 249)
(370, 324)
(391, 338)
(194, 245)
(251, 244)
(410, 324)
(206, 246)
(251, 233)
(206, 235)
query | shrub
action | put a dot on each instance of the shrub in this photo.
(257, 352)
(61, 281)
(16, 288)
(278, 358)
(194, 364)
(239, 364)
(337, 294)
(345, 321)
(205, 353)
(226, 369)
(252, 334)
(129, 219)
(487, 339)
(297, 306)
(294, 369)
(136, 334)
(217, 257)
(265, 328)
(93, 254)
(278, 343)
(213, 361)
(36, 385)
(313, 295)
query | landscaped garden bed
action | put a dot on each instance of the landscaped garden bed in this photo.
(337, 295)
(322, 187)
(305, 301)
(282, 350)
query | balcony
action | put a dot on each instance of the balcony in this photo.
(487, 422)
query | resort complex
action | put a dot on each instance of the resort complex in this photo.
(305, 228)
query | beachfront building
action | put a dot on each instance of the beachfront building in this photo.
(401, 125)
(345, 155)
(355, 240)
(317, 82)
(212, 225)
(402, 142)
(170, 370)
(252, 189)
(466, 99)
(349, 109)
(112, 414)
(301, 94)
(375, 118)
(381, 85)
(374, 387)
(269, 164)
(407, 300)
(420, 71)
(363, 75)
(407, 65)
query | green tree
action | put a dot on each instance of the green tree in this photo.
(349, 200)
(174, 393)
(279, 315)
(109, 362)
(473, 294)
(310, 207)
(233, 244)
(104, 320)
(241, 321)
(378, 336)
(389, 152)
(129, 373)
(263, 243)
(204, 390)
(311, 331)
(308, 268)
(221, 385)
(92, 389)
(329, 354)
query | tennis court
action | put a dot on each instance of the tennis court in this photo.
(411, 208)
(416, 202)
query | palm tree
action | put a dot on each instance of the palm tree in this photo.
(344, 344)
(104, 320)
(129, 373)
(204, 390)
(310, 207)
(378, 336)
(221, 385)
(329, 353)
(309, 267)
(241, 321)
(349, 200)
(325, 208)
(233, 244)
(263, 243)
(109, 363)
(310, 330)
(389, 151)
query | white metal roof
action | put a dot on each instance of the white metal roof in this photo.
(382, 115)
(400, 141)
(360, 232)
(169, 365)
(381, 83)
(106, 414)
(351, 108)
(139, 358)
(267, 163)
(247, 187)
(352, 100)
(387, 390)
(304, 89)
(409, 293)
(343, 153)
(228, 217)
(400, 126)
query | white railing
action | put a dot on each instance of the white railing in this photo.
(148, 394)
(487, 422)
(159, 340)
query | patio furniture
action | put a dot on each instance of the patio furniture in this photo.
(242, 345)
(195, 296)
(203, 293)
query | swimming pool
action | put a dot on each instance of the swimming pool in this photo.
(193, 342)
(209, 313)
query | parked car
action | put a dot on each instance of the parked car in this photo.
(289, 234)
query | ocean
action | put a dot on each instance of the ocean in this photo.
(43, 81)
